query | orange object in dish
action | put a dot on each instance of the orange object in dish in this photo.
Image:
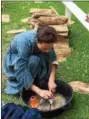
(33, 102)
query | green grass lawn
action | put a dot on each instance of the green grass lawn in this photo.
(76, 67)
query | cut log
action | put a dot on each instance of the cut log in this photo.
(36, 10)
(31, 20)
(60, 28)
(33, 26)
(33, 23)
(63, 34)
(44, 14)
(70, 22)
(5, 18)
(62, 39)
(16, 31)
(80, 87)
(53, 20)
(64, 52)
(62, 47)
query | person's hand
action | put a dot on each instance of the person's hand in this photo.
(52, 86)
(87, 18)
(45, 94)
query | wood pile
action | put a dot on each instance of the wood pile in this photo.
(60, 23)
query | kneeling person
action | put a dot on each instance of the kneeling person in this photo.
(30, 62)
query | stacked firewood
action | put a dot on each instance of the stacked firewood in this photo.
(60, 23)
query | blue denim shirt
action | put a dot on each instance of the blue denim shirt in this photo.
(16, 60)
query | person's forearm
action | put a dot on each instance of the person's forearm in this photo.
(35, 89)
(52, 74)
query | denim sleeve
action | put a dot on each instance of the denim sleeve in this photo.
(21, 64)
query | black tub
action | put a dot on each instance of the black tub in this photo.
(62, 88)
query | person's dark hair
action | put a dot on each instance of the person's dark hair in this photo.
(46, 34)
